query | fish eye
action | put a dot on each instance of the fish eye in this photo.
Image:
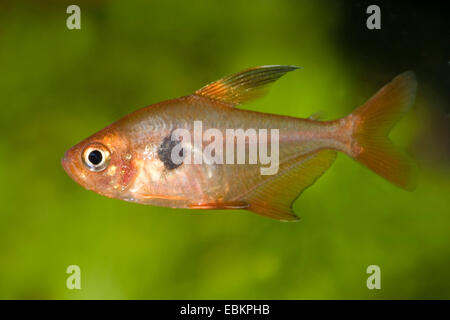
(96, 157)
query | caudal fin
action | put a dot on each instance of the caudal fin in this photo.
(372, 123)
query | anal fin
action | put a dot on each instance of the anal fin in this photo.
(274, 198)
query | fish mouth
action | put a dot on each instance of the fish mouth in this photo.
(70, 168)
(66, 164)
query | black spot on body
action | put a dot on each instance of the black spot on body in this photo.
(165, 153)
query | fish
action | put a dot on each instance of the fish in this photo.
(132, 159)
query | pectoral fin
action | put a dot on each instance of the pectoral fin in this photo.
(316, 116)
(220, 205)
(245, 85)
(274, 198)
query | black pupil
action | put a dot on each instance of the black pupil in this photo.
(95, 157)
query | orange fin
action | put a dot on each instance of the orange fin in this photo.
(372, 123)
(245, 85)
(274, 199)
(220, 205)
(159, 196)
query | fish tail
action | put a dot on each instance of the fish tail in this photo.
(372, 122)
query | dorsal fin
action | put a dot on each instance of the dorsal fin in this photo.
(243, 86)
(274, 199)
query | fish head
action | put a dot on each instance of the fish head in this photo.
(103, 163)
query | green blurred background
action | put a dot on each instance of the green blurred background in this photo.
(58, 86)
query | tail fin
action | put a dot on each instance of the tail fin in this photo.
(372, 123)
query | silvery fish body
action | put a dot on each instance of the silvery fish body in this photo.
(184, 152)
